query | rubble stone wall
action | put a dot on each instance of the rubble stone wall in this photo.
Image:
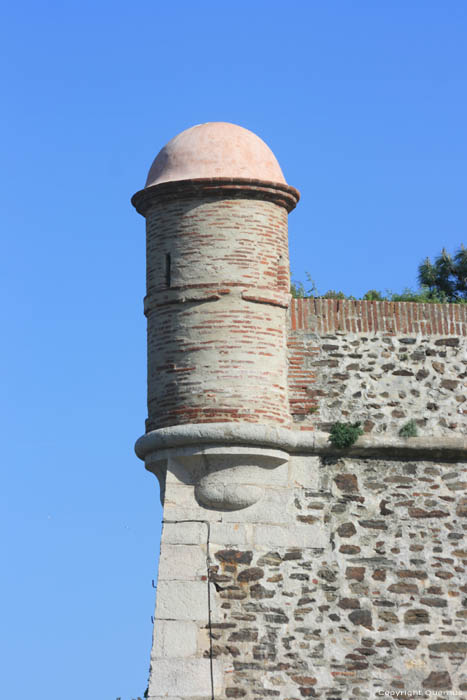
(347, 577)
(348, 580)
(379, 363)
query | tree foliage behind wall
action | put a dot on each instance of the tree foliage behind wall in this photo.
(447, 275)
(442, 281)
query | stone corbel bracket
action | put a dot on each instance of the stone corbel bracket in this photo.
(228, 463)
(224, 478)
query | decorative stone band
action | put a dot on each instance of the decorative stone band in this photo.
(183, 295)
(238, 188)
(295, 441)
(227, 462)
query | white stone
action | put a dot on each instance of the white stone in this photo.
(221, 434)
(182, 562)
(288, 536)
(231, 534)
(182, 600)
(184, 678)
(176, 488)
(180, 504)
(274, 507)
(203, 644)
(175, 639)
(226, 478)
(304, 471)
(184, 533)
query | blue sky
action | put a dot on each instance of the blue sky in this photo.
(365, 106)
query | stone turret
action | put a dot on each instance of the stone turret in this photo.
(216, 205)
(291, 567)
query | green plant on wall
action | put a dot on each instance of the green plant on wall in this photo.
(345, 434)
(409, 429)
(298, 291)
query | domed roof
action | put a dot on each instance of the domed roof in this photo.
(215, 149)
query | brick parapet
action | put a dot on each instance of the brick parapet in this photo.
(380, 363)
(391, 317)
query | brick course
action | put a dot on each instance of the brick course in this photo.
(217, 294)
(324, 316)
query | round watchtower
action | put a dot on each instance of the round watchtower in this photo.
(216, 205)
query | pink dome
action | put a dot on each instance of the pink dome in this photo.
(215, 149)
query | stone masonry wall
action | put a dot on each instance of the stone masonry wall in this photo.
(379, 363)
(348, 580)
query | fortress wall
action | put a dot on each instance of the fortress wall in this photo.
(289, 568)
(381, 363)
(347, 580)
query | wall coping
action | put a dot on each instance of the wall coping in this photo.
(300, 442)
(327, 316)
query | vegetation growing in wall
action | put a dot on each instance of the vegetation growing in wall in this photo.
(345, 434)
(442, 281)
(409, 429)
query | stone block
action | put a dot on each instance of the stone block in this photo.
(182, 562)
(184, 533)
(185, 678)
(288, 536)
(231, 534)
(182, 600)
(276, 506)
(175, 639)
(304, 471)
(180, 504)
